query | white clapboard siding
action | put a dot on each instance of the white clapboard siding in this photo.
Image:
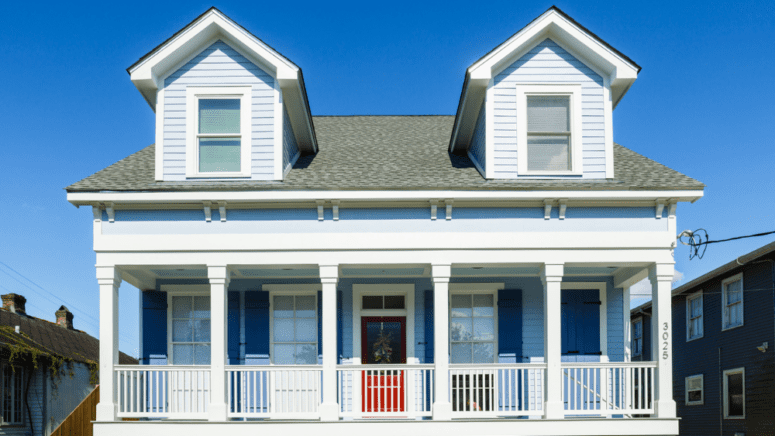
(219, 64)
(547, 62)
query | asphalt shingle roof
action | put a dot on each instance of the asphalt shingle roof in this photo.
(387, 153)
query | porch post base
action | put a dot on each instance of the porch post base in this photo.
(554, 410)
(106, 412)
(217, 412)
(442, 411)
(329, 412)
(665, 408)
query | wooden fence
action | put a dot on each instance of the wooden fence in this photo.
(79, 421)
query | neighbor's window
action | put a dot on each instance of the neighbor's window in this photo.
(190, 330)
(694, 390)
(694, 325)
(294, 330)
(13, 381)
(734, 393)
(637, 337)
(472, 328)
(732, 293)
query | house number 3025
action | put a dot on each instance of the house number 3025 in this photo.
(665, 344)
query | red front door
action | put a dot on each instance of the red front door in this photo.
(383, 342)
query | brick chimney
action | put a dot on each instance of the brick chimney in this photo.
(64, 317)
(14, 303)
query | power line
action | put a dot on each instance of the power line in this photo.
(697, 246)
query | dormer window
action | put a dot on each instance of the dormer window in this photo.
(548, 128)
(218, 131)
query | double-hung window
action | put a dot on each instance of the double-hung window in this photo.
(294, 330)
(472, 328)
(732, 294)
(218, 131)
(695, 394)
(637, 337)
(190, 329)
(13, 382)
(694, 324)
(548, 129)
(734, 393)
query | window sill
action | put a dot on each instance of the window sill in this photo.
(218, 175)
(734, 417)
(696, 403)
(551, 173)
(694, 338)
(723, 329)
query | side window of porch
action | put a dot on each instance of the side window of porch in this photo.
(637, 337)
(294, 330)
(472, 328)
(190, 330)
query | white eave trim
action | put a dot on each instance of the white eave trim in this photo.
(90, 198)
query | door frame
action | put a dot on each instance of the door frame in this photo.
(602, 288)
(405, 289)
(399, 319)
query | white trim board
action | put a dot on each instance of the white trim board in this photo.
(405, 289)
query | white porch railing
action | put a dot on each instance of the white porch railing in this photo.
(490, 390)
(617, 388)
(377, 391)
(162, 391)
(292, 391)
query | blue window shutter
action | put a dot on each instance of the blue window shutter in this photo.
(339, 332)
(154, 328)
(320, 324)
(256, 328)
(233, 328)
(589, 317)
(510, 324)
(428, 326)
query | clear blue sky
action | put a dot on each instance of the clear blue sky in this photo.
(703, 105)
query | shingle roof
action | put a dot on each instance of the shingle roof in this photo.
(387, 153)
(52, 339)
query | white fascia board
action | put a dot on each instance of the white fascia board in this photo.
(90, 198)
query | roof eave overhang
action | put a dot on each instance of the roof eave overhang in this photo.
(149, 72)
(619, 71)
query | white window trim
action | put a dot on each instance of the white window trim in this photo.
(405, 289)
(472, 289)
(636, 321)
(291, 290)
(193, 95)
(183, 291)
(603, 294)
(724, 314)
(572, 90)
(689, 299)
(702, 390)
(740, 370)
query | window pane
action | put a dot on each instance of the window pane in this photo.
(548, 113)
(394, 301)
(461, 306)
(484, 352)
(460, 329)
(182, 354)
(283, 330)
(695, 395)
(219, 154)
(372, 302)
(461, 353)
(548, 153)
(735, 392)
(283, 354)
(734, 293)
(306, 330)
(484, 329)
(202, 330)
(202, 307)
(283, 306)
(483, 305)
(306, 354)
(181, 331)
(219, 116)
(201, 354)
(181, 307)
(305, 306)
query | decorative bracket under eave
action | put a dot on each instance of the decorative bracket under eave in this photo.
(222, 210)
(321, 204)
(111, 212)
(449, 208)
(96, 210)
(548, 209)
(563, 206)
(208, 212)
(660, 206)
(335, 209)
(434, 209)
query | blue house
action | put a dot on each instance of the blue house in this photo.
(724, 370)
(383, 274)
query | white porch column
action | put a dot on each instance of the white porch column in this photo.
(219, 283)
(442, 408)
(551, 276)
(661, 276)
(109, 279)
(329, 277)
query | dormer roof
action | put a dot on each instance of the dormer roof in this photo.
(618, 70)
(149, 72)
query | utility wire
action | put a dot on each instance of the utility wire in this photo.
(697, 246)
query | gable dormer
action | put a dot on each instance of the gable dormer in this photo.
(540, 105)
(228, 106)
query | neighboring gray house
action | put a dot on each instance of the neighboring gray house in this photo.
(47, 368)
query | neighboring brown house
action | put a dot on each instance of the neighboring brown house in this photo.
(47, 368)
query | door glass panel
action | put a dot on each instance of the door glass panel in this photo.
(372, 302)
(394, 301)
(384, 342)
